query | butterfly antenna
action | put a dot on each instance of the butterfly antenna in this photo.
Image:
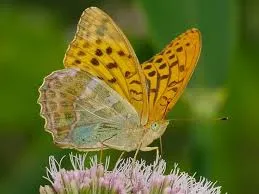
(223, 119)
(192, 119)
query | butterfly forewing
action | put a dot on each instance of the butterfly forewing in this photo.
(100, 48)
(169, 71)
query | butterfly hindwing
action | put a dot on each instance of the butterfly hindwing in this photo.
(100, 48)
(169, 71)
(82, 111)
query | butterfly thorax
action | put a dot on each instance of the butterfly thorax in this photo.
(130, 138)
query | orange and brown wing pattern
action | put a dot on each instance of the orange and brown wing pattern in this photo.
(100, 48)
(169, 71)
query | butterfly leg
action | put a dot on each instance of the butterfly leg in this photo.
(136, 153)
(101, 154)
(134, 162)
(161, 145)
(147, 149)
(122, 153)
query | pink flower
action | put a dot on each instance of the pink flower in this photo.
(126, 177)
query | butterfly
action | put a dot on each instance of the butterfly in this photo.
(104, 98)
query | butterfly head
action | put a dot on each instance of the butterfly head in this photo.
(158, 127)
(154, 130)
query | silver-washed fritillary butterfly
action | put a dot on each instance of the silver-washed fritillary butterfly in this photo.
(104, 98)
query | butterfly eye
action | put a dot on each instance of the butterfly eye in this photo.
(154, 126)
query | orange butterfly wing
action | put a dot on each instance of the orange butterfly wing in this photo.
(168, 72)
(100, 48)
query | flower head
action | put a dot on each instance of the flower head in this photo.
(128, 176)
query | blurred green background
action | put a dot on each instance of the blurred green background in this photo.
(34, 38)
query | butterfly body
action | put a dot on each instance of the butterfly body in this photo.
(104, 98)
